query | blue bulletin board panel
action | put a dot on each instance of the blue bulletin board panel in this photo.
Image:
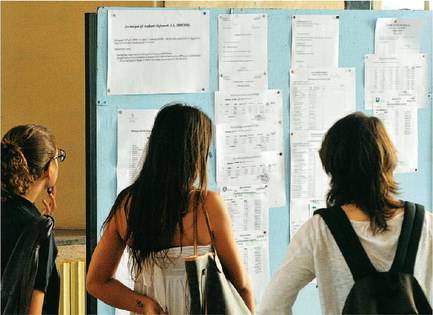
(356, 40)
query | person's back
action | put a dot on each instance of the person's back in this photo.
(154, 219)
(315, 254)
(360, 159)
(165, 280)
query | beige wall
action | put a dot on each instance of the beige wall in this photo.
(258, 4)
(42, 67)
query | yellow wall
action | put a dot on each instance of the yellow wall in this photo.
(42, 67)
(258, 4)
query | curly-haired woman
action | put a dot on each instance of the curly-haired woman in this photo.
(29, 167)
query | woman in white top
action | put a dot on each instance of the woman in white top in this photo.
(153, 218)
(360, 159)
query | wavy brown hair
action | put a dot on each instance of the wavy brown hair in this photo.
(25, 153)
(360, 158)
(174, 166)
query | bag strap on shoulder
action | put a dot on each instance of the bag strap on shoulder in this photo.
(209, 228)
(408, 240)
(347, 241)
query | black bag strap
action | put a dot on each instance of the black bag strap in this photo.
(408, 241)
(347, 241)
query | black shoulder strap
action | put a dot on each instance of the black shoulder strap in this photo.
(408, 241)
(348, 242)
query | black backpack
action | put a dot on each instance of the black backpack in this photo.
(393, 292)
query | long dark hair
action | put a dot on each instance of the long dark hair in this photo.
(174, 166)
(25, 152)
(360, 158)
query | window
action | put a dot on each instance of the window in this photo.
(404, 4)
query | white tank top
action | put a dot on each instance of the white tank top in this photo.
(166, 282)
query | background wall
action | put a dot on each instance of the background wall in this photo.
(42, 68)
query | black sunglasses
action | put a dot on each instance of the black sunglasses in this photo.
(61, 156)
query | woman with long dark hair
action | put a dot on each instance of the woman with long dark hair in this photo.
(360, 159)
(153, 218)
(29, 167)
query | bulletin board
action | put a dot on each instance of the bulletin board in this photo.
(356, 40)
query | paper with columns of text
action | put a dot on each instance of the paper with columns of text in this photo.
(309, 181)
(395, 80)
(401, 123)
(255, 257)
(255, 169)
(249, 141)
(257, 106)
(320, 96)
(248, 209)
(133, 132)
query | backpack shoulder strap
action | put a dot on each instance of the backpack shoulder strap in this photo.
(347, 241)
(408, 241)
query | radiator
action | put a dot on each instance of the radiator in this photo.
(72, 287)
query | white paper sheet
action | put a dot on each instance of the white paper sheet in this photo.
(249, 141)
(133, 131)
(315, 41)
(248, 137)
(319, 97)
(255, 256)
(308, 179)
(301, 210)
(157, 51)
(264, 168)
(248, 208)
(248, 107)
(397, 98)
(395, 36)
(388, 77)
(309, 182)
(401, 123)
(242, 52)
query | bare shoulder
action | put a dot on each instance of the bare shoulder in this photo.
(215, 206)
(121, 214)
(213, 199)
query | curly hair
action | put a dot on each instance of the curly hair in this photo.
(25, 153)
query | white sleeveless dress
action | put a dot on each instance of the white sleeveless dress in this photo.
(166, 282)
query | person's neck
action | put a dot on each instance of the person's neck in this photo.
(34, 191)
(355, 213)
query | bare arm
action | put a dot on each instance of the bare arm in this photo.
(100, 280)
(36, 303)
(227, 249)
